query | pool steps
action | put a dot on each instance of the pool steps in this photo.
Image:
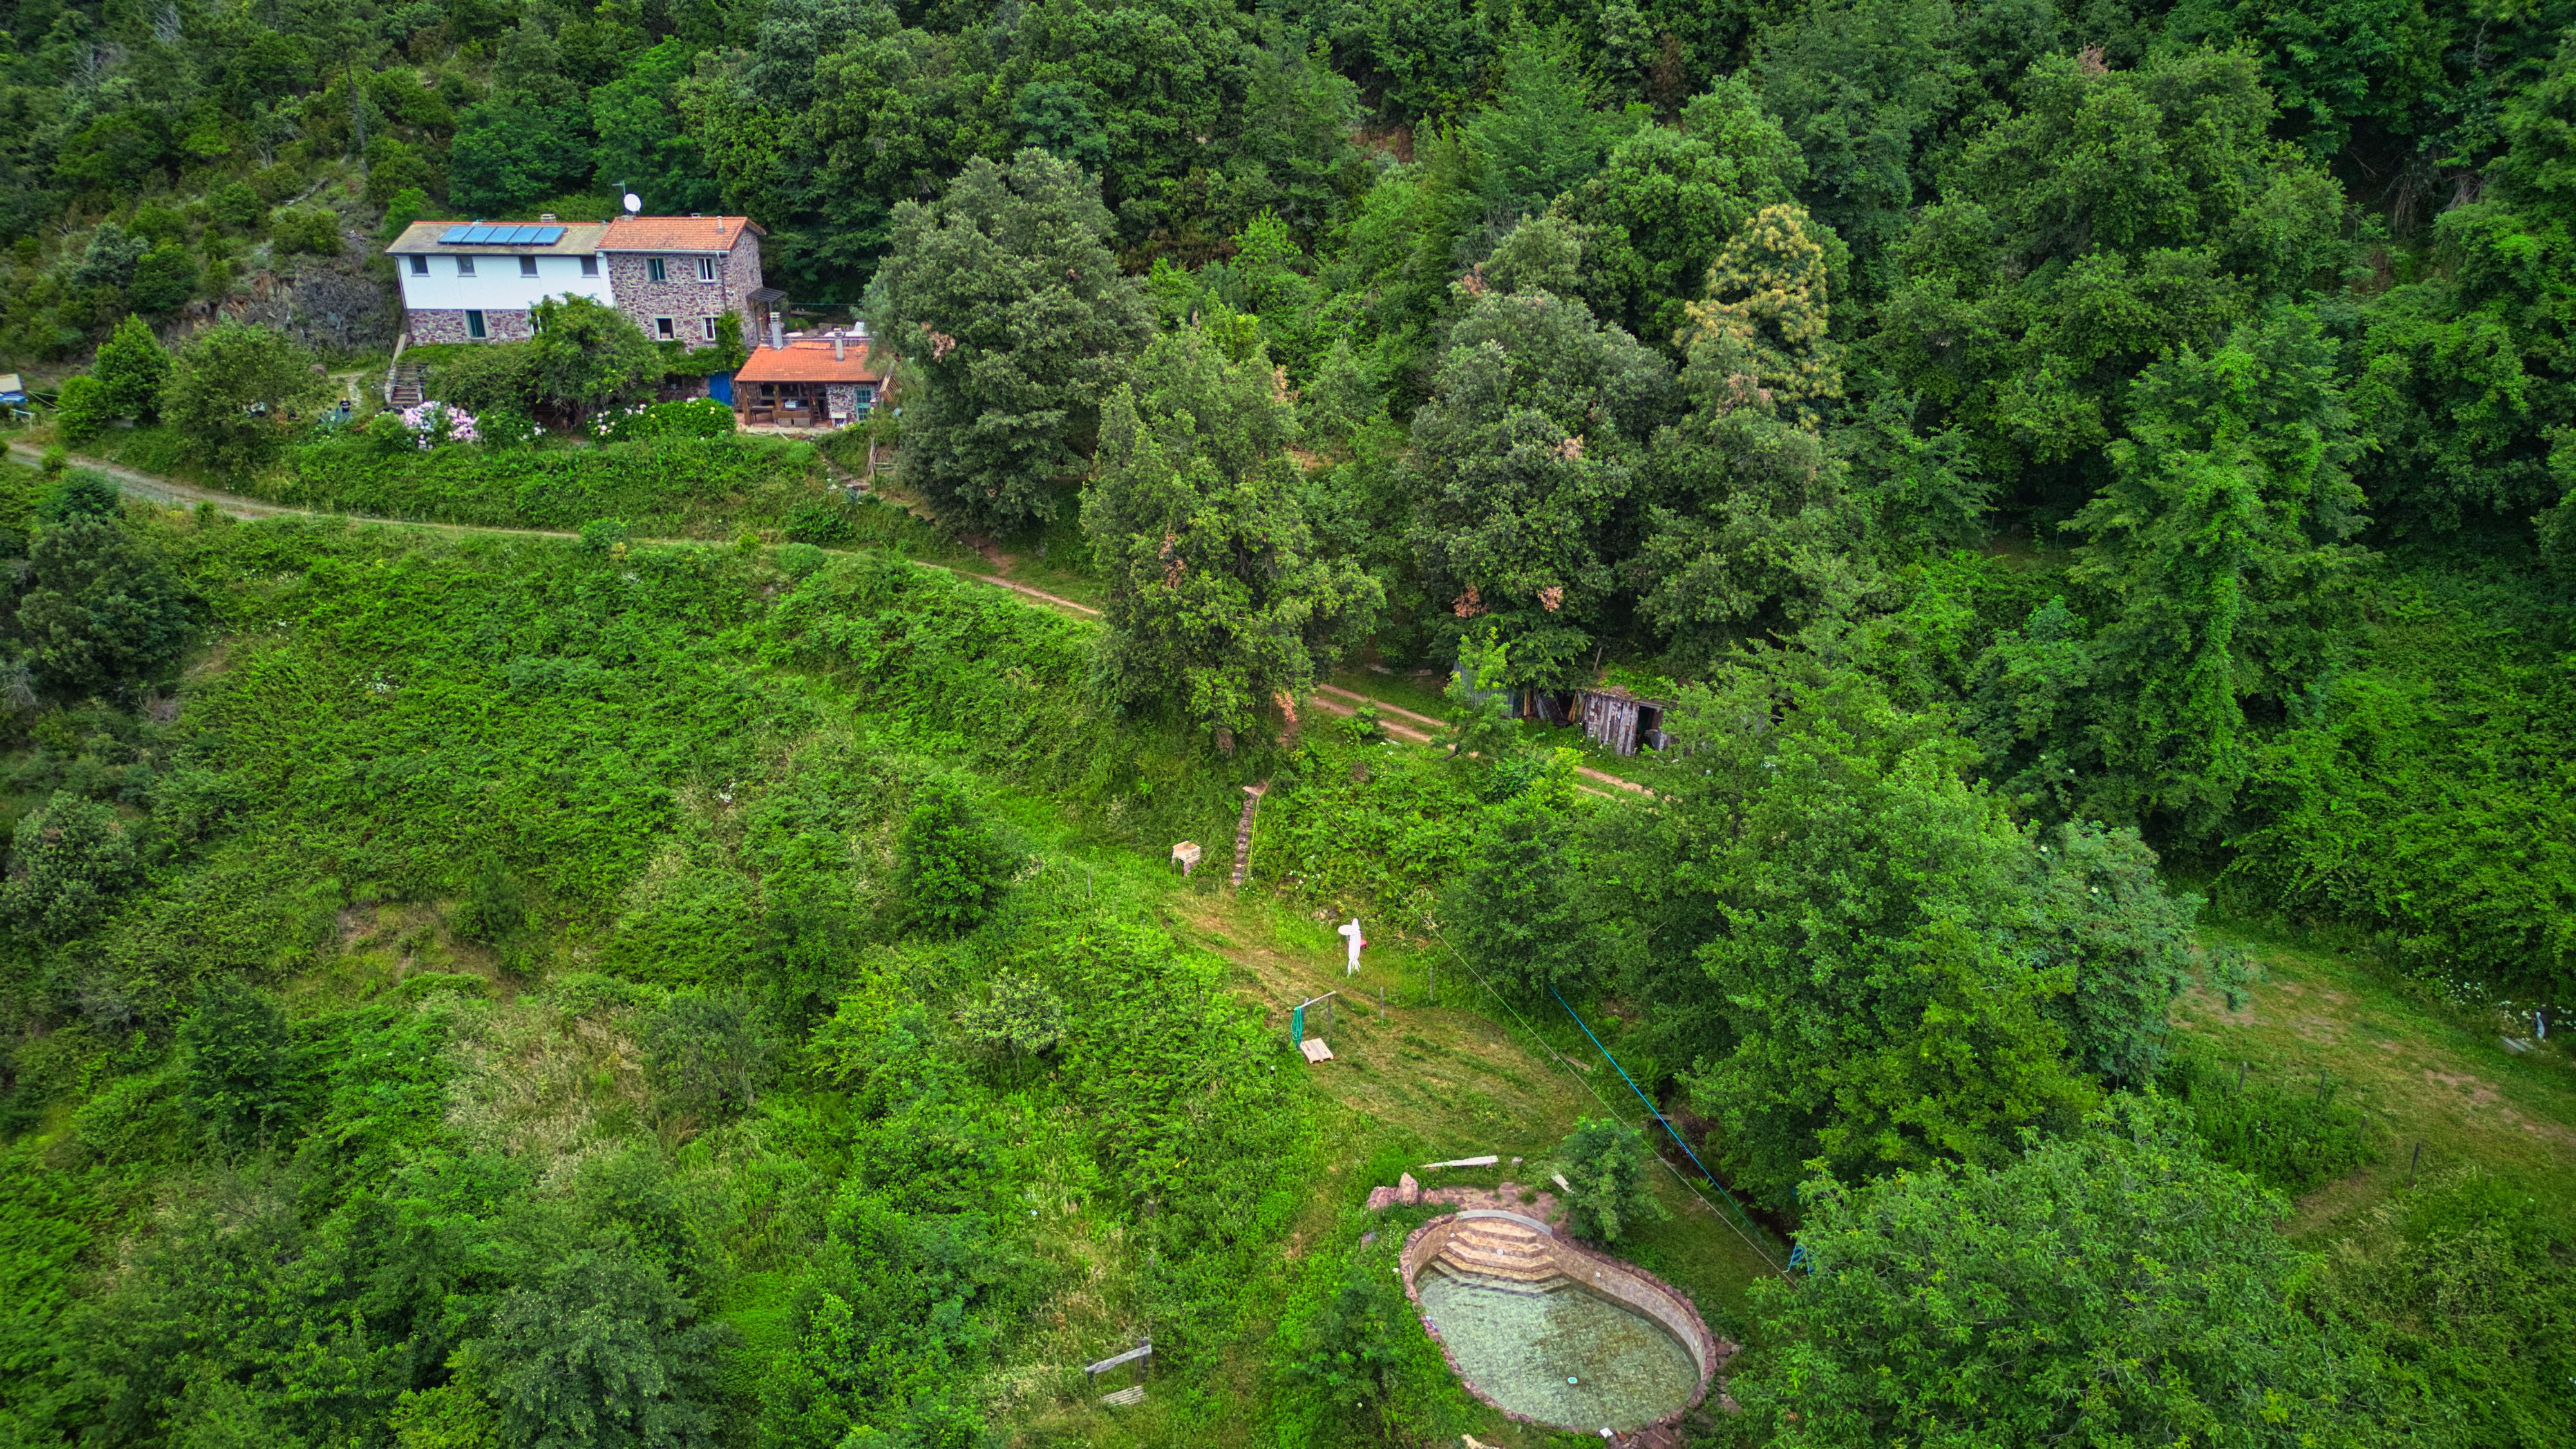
(1503, 1249)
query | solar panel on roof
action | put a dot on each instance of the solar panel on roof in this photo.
(483, 234)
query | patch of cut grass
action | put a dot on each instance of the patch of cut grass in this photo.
(2425, 1072)
(1455, 1080)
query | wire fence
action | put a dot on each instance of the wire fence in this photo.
(1744, 1229)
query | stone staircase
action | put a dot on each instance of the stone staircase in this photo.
(1243, 832)
(1500, 1248)
(404, 388)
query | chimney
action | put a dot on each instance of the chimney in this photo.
(777, 332)
(860, 328)
(545, 216)
(839, 354)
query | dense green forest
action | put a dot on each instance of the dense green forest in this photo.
(576, 926)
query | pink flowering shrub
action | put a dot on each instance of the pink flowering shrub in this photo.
(437, 423)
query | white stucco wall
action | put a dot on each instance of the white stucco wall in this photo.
(496, 285)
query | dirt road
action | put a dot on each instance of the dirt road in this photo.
(1402, 723)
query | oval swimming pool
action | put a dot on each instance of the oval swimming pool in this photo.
(1560, 1354)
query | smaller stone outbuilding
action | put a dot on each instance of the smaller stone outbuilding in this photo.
(808, 380)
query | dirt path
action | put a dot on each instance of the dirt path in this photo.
(158, 489)
(233, 505)
(1402, 723)
(172, 491)
(1347, 701)
(1058, 600)
(1344, 702)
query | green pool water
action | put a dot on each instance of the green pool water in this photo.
(1521, 1347)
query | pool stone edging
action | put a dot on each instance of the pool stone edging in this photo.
(1617, 1279)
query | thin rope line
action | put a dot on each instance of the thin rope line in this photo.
(1652, 1110)
(1612, 1112)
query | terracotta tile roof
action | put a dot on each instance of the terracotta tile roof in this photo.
(809, 359)
(677, 233)
(579, 238)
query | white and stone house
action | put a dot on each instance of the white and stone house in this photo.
(674, 276)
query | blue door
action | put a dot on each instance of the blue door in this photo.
(720, 387)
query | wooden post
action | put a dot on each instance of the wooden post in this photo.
(1297, 1016)
(2240, 1078)
(1142, 1356)
(2413, 1162)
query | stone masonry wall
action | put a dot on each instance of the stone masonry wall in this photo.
(445, 324)
(683, 298)
(1611, 1277)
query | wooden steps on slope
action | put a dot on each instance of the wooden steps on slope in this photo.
(1243, 832)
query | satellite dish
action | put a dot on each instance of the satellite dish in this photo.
(634, 203)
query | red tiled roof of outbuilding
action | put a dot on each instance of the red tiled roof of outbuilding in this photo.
(810, 359)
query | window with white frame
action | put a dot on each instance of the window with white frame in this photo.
(654, 269)
(665, 328)
(527, 266)
(464, 266)
(420, 266)
(710, 325)
(590, 266)
(706, 269)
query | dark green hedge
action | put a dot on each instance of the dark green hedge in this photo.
(671, 487)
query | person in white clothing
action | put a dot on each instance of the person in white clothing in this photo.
(1351, 933)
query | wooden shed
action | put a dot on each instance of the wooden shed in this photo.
(1623, 721)
(1611, 715)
